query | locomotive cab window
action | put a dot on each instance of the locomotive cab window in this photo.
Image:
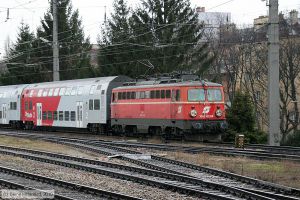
(196, 95)
(214, 95)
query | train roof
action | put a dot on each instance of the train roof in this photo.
(177, 84)
(79, 82)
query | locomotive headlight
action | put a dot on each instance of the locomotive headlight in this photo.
(219, 113)
(193, 113)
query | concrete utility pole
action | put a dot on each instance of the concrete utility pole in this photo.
(273, 74)
(55, 44)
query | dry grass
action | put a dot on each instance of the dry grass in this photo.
(280, 172)
(44, 146)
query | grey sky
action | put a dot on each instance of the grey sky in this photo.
(92, 13)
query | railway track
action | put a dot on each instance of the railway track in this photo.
(179, 183)
(11, 178)
(181, 169)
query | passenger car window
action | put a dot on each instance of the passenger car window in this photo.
(56, 92)
(67, 115)
(62, 91)
(45, 93)
(92, 90)
(196, 95)
(96, 104)
(80, 90)
(73, 115)
(91, 104)
(40, 93)
(68, 91)
(61, 116)
(50, 94)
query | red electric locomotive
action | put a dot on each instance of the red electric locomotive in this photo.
(170, 108)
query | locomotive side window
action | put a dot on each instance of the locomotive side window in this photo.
(152, 94)
(61, 116)
(67, 116)
(91, 104)
(168, 94)
(123, 95)
(96, 104)
(113, 97)
(132, 95)
(56, 92)
(119, 95)
(157, 94)
(162, 94)
(214, 95)
(142, 95)
(196, 95)
(55, 115)
(0, 114)
(73, 115)
(147, 94)
(128, 95)
(175, 95)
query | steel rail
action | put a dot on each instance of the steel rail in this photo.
(174, 177)
(63, 184)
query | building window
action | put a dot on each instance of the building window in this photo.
(55, 115)
(73, 115)
(96, 104)
(61, 116)
(67, 115)
(91, 104)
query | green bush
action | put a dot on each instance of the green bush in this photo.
(251, 137)
(292, 140)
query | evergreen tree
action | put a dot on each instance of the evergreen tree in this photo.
(73, 46)
(164, 34)
(172, 29)
(114, 53)
(241, 114)
(22, 61)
